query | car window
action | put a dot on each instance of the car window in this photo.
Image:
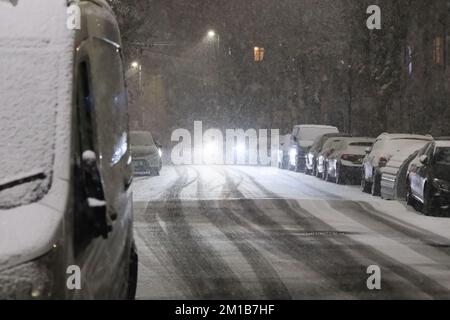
(442, 155)
(111, 101)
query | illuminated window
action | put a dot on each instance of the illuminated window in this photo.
(259, 54)
(438, 50)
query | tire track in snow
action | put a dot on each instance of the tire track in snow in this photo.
(415, 278)
(206, 274)
(271, 283)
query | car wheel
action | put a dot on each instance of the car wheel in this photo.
(365, 185)
(429, 202)
(409, 197)
(325, 175)
(339, 175)
(376, 185)
(132, 273)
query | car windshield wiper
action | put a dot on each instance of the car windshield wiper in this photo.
(21, 180)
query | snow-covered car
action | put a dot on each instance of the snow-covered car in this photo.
(385, 147)
(428, 178)
(66, 222)
(345, 162)
(146, 153)
(302, 139)
(328, 148)
(316, 149)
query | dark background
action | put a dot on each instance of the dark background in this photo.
(321, 64)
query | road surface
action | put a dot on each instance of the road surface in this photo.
(236, 232)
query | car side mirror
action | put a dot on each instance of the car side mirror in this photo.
(423, 159)
(96, 211)
(368, 150)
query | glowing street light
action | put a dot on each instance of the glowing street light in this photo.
(211, 34)
(135, 64)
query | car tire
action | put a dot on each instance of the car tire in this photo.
(376, 185)
(340, 178)
(132, 273)
(365, 185)
(325, 175)
(409, 197)
(429, 206)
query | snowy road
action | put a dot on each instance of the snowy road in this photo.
(219, 232)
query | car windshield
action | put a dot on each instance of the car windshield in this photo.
(442, 155)
(360, 144)
(332, 144)
(143, 139)
(405, 145)
(28, 121)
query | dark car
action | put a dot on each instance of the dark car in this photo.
(428, 179)
(147, 154)
(316, 149)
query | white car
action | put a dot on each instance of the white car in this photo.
(384, 148)
(65, 176)
(302, 138)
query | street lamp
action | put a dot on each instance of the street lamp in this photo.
(135, 64)
(211, 34)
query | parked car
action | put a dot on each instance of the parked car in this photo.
(384, 148)
(328, 148)
(316, 149)
(344, 164)
(302, 139)
(283, 153)
(147, 155)
(428, 178)
(65, 174)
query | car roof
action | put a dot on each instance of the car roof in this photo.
(443, 143)
(395, 136)
(358, 139)
(314, 126)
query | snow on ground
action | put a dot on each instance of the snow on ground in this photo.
(255, 232)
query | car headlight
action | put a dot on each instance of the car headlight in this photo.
(293, 156)
(441, 184)
(27, 281)
(160, 152)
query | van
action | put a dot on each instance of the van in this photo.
(302, 138)
(66, 222)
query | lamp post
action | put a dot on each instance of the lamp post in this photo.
(135, 65)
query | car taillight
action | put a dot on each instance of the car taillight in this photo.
(383, 161)
(327, 153)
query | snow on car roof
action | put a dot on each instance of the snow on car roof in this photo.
(36, 52)
(406, 136)
(314, 126)
(443, 143)
(358, 139)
